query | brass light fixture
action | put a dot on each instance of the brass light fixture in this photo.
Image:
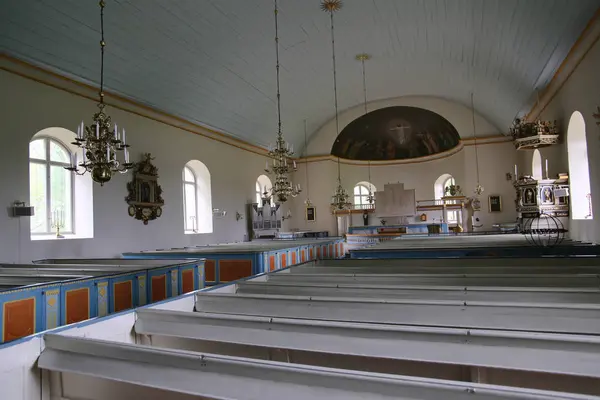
(340, 199)
(478, 189)
(362, 58)
(307, 201)
(280, 153)
(99, 141)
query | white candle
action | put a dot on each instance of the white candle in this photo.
(73, 160)
(546, 168)
(294, 164)
(266, 165)
(78, 131)
(107, 154)
(123, 136)
(126, 155)
(97, 130)
(516, 177)
(82, 129)
(84, 155)
(116, 134)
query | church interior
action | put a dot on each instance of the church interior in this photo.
(327, 199)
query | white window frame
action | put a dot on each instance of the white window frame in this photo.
(194, 185)
(48, 163)
(361, 204)
(451, 215)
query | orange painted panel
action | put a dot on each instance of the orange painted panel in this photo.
(294, 258)
(312, 255)
(210, 270)
(123, 295)
(330, 250)
(303, 255)
(187, 280)
(159, 288)
(319, 252)
(77, 305)
(283, 260)
(231, 270)
(19, 319)
(271, 263)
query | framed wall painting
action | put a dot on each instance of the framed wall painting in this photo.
(311, 214)
(495, 203)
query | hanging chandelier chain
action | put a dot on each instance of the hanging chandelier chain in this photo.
(335, 97)
(475, 137)
(306, 164)
(102, 46)
(277, 68)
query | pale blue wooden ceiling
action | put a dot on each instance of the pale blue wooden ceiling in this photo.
(212, 61)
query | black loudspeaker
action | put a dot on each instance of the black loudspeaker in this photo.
(23, 211)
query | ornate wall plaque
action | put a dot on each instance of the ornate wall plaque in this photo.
(144, 199)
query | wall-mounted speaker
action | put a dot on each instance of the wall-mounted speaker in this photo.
(21, 210)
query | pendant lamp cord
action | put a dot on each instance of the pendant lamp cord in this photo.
(335, 97)
(475, 138)
(364, 57)
(102, 45)
(306, 166)
(277, 67)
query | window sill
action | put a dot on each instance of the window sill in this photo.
(66, 236)
(195, 233)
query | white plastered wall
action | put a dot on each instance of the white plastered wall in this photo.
(581, 92)
(495, 160)
(29, 107)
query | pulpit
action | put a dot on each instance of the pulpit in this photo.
(543, 197)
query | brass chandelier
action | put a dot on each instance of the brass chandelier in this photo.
(100, 142)
(340, 199)
(282, 188)
(362, 58)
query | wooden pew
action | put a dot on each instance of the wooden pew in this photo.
(555, 317)
(506, 280)
(497, 294)
(86, 364)
(549, 353)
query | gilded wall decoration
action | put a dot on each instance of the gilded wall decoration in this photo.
(396, 133)
(145, 194)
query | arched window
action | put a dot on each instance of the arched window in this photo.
(579, 172)
(536, 165)
(263, 183)
(361, 195)
(50, 186)
(440, 188)
(197, 198)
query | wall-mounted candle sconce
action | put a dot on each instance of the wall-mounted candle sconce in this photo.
(238, 216)
(509, 176)
(287, 216)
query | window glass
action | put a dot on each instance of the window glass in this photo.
(188, 175)
(37, 149)
(38, 197)
(58, 153)
(60, 197)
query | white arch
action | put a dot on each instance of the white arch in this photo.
(263, 183)
(440, 183)
(579, 171)
(203, 196)
(536, 165)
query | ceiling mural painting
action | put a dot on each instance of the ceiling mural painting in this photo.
(396, 133)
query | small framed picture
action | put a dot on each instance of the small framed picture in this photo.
(495, 203)
(311, 214)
